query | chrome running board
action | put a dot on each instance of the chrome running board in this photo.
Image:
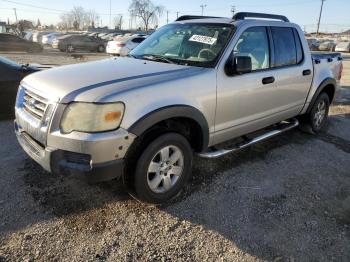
(283, 127)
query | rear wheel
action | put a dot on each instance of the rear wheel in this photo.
(101, 49)
(163, 168)
(317, 119)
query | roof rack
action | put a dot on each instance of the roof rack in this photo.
(243, 15)
(193, 17)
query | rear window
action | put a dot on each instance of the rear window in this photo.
(284, 46)
(138, 40)
(298, 46)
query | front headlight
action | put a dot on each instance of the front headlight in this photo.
(90, 117)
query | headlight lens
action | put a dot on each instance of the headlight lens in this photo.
(90, 118)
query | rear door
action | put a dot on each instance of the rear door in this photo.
(12, 43)
(292, 73)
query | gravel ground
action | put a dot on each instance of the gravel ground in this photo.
(286, 199)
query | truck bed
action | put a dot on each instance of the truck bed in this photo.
(323, 55)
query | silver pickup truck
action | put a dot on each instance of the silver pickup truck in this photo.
(203, 85)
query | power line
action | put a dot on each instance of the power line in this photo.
(53, 10)
(33, 6)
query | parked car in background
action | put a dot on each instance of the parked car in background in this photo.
(92, 34)
(71, 43)
(343, 47)
(38, 36)
(313, 44)
(110, 37)
(11, 74)
(48, 39)
(203, 85)
(10, 42)
(121, 46)
(327, 45)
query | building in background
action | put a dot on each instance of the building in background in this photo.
(2, 27)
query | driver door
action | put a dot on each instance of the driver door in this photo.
(247, 102)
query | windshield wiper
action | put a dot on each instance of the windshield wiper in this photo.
(158, 58)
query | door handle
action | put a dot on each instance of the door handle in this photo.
(307, 72)
(268, 80)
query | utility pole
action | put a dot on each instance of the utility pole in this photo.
(167, 17)
(110, 13)
(203, 6)
(319, 18)
(233, 10)
(14, 9)
(177, 15)
(120, 22)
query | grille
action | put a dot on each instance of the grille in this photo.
(34, 104)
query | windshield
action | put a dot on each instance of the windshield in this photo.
(186, 44)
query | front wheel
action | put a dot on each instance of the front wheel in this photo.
(163, 168)
(317, 119)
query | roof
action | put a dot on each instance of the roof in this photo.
(237, 19)
(238, 23)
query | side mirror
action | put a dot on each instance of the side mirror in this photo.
(238, 65)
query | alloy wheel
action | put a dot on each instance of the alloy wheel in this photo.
(165, 169)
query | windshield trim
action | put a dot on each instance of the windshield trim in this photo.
(210, 64)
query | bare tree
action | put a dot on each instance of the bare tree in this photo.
(118, 21)
(146, 11)
(66, 21)
(78, 14)
(78, 19)
(91, 18)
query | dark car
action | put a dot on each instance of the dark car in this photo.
(71, 43)
(10, 42)
(11, 75)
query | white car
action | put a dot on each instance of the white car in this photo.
(343, 47)
(48, 39)
(123, 45)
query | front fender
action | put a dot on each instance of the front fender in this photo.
(173, 111)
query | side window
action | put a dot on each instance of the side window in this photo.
(255, 44)
(284, 46)
(138, 40)
(300, 51)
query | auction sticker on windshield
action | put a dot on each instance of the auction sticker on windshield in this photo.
(203, 39)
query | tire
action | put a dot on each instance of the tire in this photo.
(315, 121)
(100, 49)
(157, 183)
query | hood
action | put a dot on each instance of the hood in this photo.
(90, 82)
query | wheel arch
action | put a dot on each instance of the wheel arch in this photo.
(329, 86)
(176, 113)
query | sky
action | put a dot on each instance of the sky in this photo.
(336, 13)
